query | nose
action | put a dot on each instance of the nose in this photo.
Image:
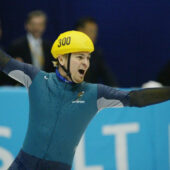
(86, 62)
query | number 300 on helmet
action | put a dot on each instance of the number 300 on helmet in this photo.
(71, 42)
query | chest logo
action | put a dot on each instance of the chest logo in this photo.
(79, 98)
(45, 77)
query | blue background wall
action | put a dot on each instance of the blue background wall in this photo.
(134, 35)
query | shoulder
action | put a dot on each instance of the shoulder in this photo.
(49, 78)
(110, 92)
(89, 86)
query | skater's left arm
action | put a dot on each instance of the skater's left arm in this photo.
(111, 97)
(149, 96)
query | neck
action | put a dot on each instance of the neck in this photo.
(63, 74)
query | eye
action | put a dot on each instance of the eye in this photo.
(88, 58)
(80, 57)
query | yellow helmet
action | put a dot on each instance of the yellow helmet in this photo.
(71, 42)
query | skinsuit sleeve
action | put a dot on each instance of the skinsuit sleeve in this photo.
(22, 72)
(111, 97)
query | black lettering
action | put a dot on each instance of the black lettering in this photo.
(64, 41)
(59, 45)
(68, 40)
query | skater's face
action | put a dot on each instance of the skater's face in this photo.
(79, 64)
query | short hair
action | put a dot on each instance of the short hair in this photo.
(56, 62)
(82, 22)
(36, 13)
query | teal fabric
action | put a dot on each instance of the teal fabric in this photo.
(59, 114)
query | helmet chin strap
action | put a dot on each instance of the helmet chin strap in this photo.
(67, 70)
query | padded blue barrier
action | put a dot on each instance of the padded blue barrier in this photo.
(116, 139)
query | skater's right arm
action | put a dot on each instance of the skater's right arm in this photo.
(22, 72)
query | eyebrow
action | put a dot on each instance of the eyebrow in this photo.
(80, 54)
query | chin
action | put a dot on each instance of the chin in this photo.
(78, 81)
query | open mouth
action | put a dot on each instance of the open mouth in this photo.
(81, 71)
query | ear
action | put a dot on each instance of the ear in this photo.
(61, 60)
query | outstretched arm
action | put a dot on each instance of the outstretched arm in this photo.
(23, 73)
(145, 97)
(111, 97)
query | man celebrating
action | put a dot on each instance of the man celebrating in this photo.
(66, 103)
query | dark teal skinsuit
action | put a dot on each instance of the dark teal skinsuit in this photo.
(60, 112)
